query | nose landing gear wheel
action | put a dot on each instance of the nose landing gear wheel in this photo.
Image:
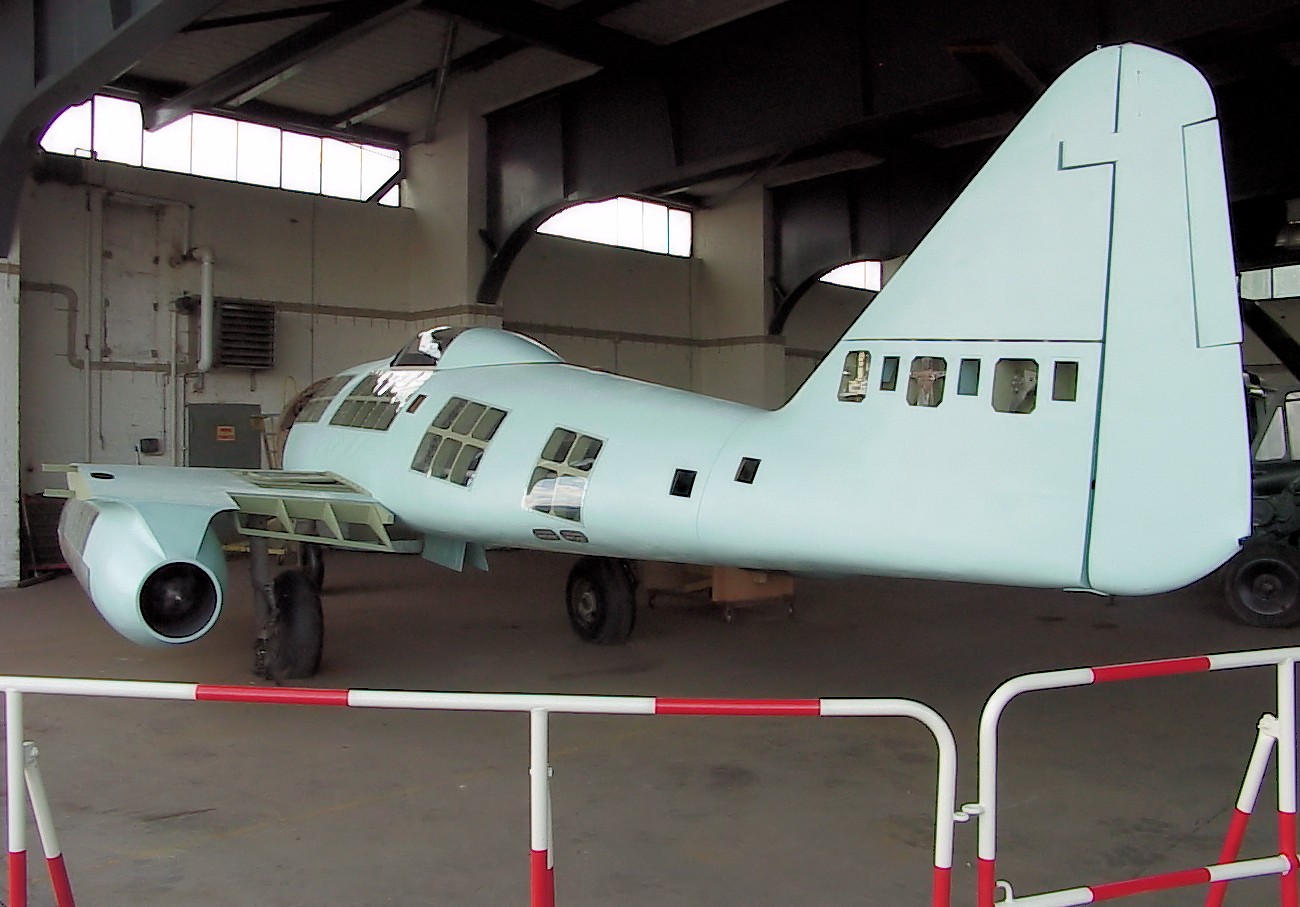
(601, 600)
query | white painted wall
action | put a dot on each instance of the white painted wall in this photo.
(617, 309)
(93, 295)
(819, 319)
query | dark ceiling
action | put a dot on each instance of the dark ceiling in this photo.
(863, 119)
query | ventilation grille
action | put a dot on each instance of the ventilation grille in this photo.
(245, 334)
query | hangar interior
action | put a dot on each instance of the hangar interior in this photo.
(798, 136)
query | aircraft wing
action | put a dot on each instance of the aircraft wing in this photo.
(317, 507)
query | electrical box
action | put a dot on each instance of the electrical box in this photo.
(225, 434)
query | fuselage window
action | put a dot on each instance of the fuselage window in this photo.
(925, 383)
(558, 485)
(321, 398)
(1015, 386)
(375, 402)
(1065, 381)
(747, 470)
(683, 483)
(456, 441)
(968, 379)
(889, 373)
(853, 380)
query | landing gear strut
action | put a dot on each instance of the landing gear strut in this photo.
(601, 599)
(287, 612)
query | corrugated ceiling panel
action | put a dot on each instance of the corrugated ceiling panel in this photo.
(403, 49)
(195, 57)
(666, 21)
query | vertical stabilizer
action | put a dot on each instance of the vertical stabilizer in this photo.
(1092, 254)
(1172, 483)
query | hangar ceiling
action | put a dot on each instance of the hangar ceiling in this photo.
(863, 118)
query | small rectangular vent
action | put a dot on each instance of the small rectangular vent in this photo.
(245, 334)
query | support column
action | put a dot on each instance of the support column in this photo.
(731, 304)
(447, 188)
(10, 565)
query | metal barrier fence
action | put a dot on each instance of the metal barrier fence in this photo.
(23, 773)
(1274, 731)
(1280, 729)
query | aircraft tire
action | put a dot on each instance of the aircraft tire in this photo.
(312, 557)
(297, 631)
(601, 600)
(1261, 585)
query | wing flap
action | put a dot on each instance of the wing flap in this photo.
(317, 507)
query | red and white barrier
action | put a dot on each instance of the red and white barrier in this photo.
(1281, 731)
(538, 707)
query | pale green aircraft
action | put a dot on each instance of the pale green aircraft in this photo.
(994, 415)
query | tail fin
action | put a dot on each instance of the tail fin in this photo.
(1097, 238)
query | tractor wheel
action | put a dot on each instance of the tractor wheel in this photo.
(1261, 585)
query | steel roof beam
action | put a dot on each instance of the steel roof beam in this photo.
(273, 15)
(55, 53)
(564, 31)
(479, 58)
(144, 90)
(249, 78)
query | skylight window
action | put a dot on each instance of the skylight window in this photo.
(627, 222)
(859, 275)
(111, 129)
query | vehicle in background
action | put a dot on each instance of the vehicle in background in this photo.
(1261, 584)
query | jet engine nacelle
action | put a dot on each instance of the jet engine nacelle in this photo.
(159, 581)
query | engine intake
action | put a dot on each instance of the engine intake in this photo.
(156, 588)
(178, 600)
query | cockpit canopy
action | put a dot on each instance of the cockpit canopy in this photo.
(425, 349)
(459, 347)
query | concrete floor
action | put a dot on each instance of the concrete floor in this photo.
(218, 804)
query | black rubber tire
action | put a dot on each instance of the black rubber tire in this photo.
(1261, 585)
(601, 600)
(312, 557)
(297, 631)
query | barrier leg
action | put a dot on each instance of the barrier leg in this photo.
(15, 762)
(542, 865)
(45, 827)
(1286, 777)
(1250, 787)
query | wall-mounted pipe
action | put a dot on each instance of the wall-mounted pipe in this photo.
(207, 307)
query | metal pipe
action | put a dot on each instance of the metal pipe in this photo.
(15, 791)
(1286, 777)
(1265, 740)
(207, 308)
(58, 869)
(542, 860)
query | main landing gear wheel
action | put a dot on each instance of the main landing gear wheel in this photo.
(289, 621)
(295, 634)
(1261, 585)
(601, 599)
